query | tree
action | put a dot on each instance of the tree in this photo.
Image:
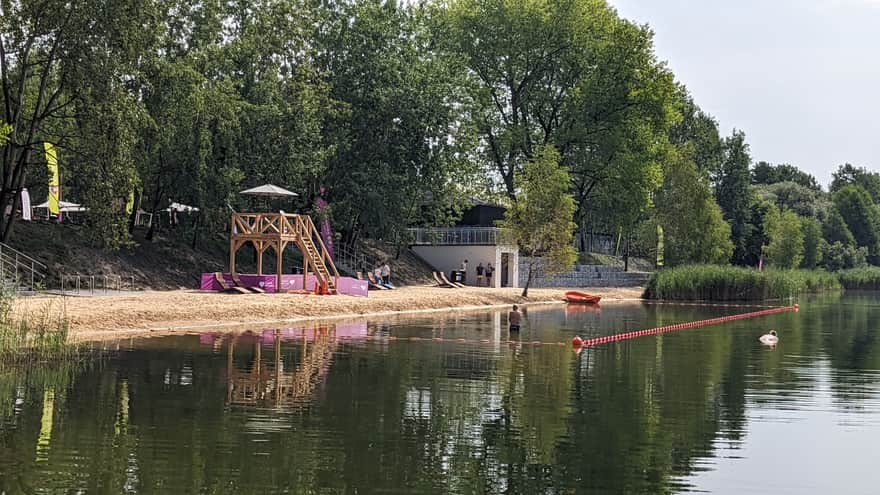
(51, 52)
(693, 229)
(834, 229)
(839, 256)
(850, 175)
(402, 154)
(569, 73)
(813, 242)
(791, 195)
(699, 130)
(539, 220)
(861, 216)
(732, 192)
(765, 173)
(786, 247)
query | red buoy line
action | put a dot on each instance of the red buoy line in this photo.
(578, 342)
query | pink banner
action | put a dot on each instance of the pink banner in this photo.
(344, 285)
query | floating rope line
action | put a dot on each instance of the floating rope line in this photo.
(578, 342)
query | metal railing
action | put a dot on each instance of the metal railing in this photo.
(352, 259)
(456, 236)
(78, 284)
(21, 268)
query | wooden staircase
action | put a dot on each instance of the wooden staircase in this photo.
(318, 256)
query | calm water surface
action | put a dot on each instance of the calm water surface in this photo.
(360, 408)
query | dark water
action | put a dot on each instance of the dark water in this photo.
(323, 410)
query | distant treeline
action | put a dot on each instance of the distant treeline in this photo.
(398, 114)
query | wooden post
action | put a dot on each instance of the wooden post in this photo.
(232, 249)
(259, 245)
(279, 248)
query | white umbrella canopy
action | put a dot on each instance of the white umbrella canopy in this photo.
(268, 190)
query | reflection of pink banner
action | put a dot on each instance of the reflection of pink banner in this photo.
(343, 331)
(352, 330)
(344, 285)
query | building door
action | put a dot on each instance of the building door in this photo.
(505, 269)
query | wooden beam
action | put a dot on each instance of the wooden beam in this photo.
(260, 250)
(232, 249)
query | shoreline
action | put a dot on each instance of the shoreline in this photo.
(155, 313)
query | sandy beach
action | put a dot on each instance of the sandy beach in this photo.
(163, 312)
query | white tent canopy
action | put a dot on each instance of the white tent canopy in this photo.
(179, 207)
(268, 190)
(64, 206)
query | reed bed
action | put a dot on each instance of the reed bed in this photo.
(730, 283)
(867, 278)
(39, 334)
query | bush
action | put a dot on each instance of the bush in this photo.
(838, 256)
(867, 278)
(730, 283)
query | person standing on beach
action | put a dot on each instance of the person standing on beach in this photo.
(463, 271)
(386, 273)
(514, 318)
(480, 270)
(489, 272)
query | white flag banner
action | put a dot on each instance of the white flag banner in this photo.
(25, 205)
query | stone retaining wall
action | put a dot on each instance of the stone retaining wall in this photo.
(583, 276)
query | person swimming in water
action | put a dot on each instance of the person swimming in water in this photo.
(514, 318)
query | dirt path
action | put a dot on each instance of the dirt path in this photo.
(176, 311)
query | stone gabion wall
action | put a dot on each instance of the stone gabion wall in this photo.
(582, 276)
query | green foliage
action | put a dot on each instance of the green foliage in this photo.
(834, 229)
(839, 256)
(732, 193)
(766, 174)
(865, 278)
(791, 196)
(401, 147)
(730, 283)
(786, 247)
(859, 176)
(5, 130)
(861, 216)
(813, 242)
(539, 220)
(575, 75)
(691, 219)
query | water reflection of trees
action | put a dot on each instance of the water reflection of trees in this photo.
(268, 413)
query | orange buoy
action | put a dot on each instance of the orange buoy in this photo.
(577, 342)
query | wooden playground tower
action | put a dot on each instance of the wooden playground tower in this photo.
(276, 231)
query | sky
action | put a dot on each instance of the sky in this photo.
(801, 78)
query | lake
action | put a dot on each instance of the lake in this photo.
(453, 404)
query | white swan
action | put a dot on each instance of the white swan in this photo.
(769, 338)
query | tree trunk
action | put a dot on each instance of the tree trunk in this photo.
(525, 292)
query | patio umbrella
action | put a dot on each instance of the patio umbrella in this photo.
(268, 190)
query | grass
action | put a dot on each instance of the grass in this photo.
(867, 278)
(31, 337)
(730, 283)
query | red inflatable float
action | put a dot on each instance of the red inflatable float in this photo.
(575, 297)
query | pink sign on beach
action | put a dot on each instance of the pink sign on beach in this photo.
(344, 285)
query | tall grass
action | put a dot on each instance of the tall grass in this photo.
(730, 283)
(32, 336)
(867, 278)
